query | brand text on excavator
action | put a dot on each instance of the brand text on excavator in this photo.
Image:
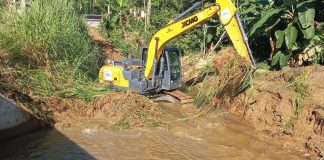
(189, 21)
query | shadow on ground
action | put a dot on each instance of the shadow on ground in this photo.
(43, 144)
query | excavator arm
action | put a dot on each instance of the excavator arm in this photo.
(227, 12)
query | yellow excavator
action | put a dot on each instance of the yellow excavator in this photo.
(159, 67)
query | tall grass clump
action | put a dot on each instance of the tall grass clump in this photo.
(224, 90)
(48, 48)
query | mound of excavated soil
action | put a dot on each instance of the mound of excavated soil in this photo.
(191, 65)
(118, 110)
(232, 77)
(126, 110)
(194, 66)
(221, 59)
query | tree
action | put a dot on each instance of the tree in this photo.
(23, 4)
(149, 6)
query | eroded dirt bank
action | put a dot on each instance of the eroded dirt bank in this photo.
(286, 104)
(278, 108)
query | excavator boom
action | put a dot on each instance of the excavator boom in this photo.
(158, 70)
(227, 12)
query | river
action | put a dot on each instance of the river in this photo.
(220, 135)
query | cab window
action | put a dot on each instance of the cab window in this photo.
(174, 60)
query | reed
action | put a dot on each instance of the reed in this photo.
(49, 49)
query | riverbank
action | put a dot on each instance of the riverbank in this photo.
(286, 104)
(289, 103)
(218, 135)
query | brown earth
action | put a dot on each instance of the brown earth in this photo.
(110, 52)
(194, 65)
(273, 103)
(127, 110)
(275, 107)
(191, 65)
(116, 110)
(286, 104)
(223, 56)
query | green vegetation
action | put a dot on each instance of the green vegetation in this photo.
(292, 29)
(126, 29)
(219, 90)
(301, 88)
(2, 3)
(281, 32)
(47, 50)
(299, 85)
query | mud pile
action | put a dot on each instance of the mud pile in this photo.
(117, 110)
(127, 110)
(232, 77)
(191, 64)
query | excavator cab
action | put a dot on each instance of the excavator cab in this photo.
(167, 74)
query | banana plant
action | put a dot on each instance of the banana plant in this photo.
(292, 24)
(119, 10)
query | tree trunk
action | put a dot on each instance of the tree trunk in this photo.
(149, 6)
(272, 45)
(23, 4)
(145, 20)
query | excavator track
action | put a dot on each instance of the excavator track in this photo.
(181, 96)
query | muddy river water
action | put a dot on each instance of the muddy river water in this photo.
(218, 136)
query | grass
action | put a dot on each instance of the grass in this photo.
(302, 91)
(45, 51)
(299, 86)
(48, 50)
(206, 70)
(219, 90)
(231, 81)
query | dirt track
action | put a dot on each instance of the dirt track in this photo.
(110, 52)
